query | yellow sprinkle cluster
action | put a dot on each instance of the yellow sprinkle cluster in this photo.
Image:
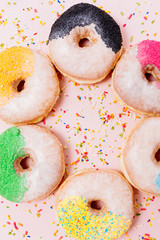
(16, 63)
(75, 218)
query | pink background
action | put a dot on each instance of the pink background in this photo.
(91, 125)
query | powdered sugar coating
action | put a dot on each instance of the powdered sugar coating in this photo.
(47, 167)
(130, 83)
(91, 64)
(107, 186)
(87, 65)
(38, 97)
(141, 148)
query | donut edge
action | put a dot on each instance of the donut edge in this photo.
(40, 118)
(122, 161)
(147, 114)
(79, 7)
(62, 161)
(85, 171)
(86, 82)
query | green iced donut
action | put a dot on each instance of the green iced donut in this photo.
(31, 163)
(12, 185)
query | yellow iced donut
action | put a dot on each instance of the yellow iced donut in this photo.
(29, 85)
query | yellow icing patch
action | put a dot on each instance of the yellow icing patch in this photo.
(16, 64)
(75, 218)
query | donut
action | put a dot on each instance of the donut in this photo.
(141, 156)
(80, 62)
(135, 78)
(95, 204)
(31, 163)
(29, 86)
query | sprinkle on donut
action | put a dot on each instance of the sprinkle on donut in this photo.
(157, 181)
(78, 222)
(95, 204)
(16, 63)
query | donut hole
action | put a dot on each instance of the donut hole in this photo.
(157, 156)
(85, 42)
(22, 164)
(20, 86)
(26, 162)
(96, 205)
(150, 78)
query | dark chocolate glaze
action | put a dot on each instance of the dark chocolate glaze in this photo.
(84, 14)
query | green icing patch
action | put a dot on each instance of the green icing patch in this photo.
(12, 185)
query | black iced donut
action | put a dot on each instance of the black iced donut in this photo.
(81, 63)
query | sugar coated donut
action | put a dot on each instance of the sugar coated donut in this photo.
(31, 163)
(141, 156)
(133, 78)
(95, 204)
(85, 63)
(29, 85)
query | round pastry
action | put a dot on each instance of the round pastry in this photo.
(141, 156)
(95, 204)
(29, 85)
(81, 62)
(31, 163)
(135, 78)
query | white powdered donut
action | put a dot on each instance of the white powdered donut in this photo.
(141, 156)
(95, 204)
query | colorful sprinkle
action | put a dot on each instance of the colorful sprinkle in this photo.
(75, 218)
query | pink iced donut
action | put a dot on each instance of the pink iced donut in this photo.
(136, 76)
(80, 62)
(29, 86)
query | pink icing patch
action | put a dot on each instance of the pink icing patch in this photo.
(158, 85)
(149, 53)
